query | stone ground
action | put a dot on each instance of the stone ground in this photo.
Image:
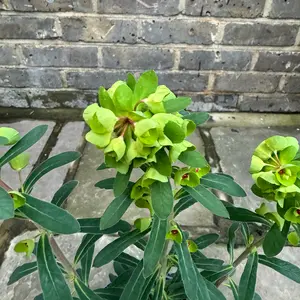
(227, 141)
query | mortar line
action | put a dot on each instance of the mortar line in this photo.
(267, 8)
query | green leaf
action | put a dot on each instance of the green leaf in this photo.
(146, 85)
(49, 216)
(83, 292)
(248, 278)
(20, 162)
(123, 98)
(163, 164)
(142, 223)
(174, 132)
(275, 240)
(119, 268)
(102, 167)
(107, 184)
(23, 144)
(281, 266)
(214, 292)
(131, 82)
(193, 159)
(159, 290)
(121, 280)
(3, 141)
(22, 271)
(256, 297)
(293, 238)
(176, 104)
(231, 239)
(92, 225)
(105, 100)
(214, 276)
(87, 242)
(155, 245)
(183, 203)
(86, 264)
(116, 210)
(224, 184)
(194, 284)
(127, 260)
(198, 118)
(10, 134)
(162, 199)
(64, 192)
(6, 205)
(47, 166)
(25, 246)
(52, 280)
(150, 281)
(209, 264)
(208, 200)
(121, 182)
(245, 232)
(234, 289)
(134, 287)
(115, 248)
(110, 293)
(205, 240)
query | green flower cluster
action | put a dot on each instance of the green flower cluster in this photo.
(276, 173)
(135, 120)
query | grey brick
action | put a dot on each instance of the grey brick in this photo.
(270, 103)
(17, 27)
(260, 34)
(285, 9)
(93, 80)
(8, 55)
(5, 5)
(291, 84)
(215, 60)
(278, 61)
(151, 7)
(225, 8)
(13, 98)
(182, 81)
(57, 5)
(99, 29)
(137, 58)
(246, 82)
(61, 56)
(178, 31)
(30, 78)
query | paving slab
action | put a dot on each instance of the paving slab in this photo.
(235, 146)
(89, 201)
(70, 138)
(24, 126)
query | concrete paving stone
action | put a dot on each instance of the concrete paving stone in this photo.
(89, 201)
(235, 146)
(69, 139)
(24, 126)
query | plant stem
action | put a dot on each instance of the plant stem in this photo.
(5, 186)
(61, 257)
(243, 256)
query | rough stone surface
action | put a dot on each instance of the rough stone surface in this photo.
(291, 84)
(7, 174)
(132, 58)
(235, 147)
(269, 103)
(255, 34)
(69, 139)
(251, 83)
(12, 98)
(28, 28)
(61, 56)
(278, 62)
(215, 60)
(30, 78)
(225, 8)
(176, 31)
(101, 29)
(285, 9)
(9, 56)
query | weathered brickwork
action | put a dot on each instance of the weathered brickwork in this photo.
(237, 55)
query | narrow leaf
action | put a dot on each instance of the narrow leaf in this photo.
(150, 281)
(107, 184)
(283, 267)
(214, 276)
(49, 216)
(6, 205)
(248, 278)
(245, 232)
(205, 240)
(87, 242)
(121, 280)
(193, 159)
(64, 192)
(162, 199)
(102, 167)
(234, 289)
(22, 271)
(47, 166)
(208, 200)
(214, 292)
(224, 184)
(23, 144)
(52, 280)
(86, 264)
(231, 239)
(159, 290)
(109, 293)
(115, 248)
(121, 182)
(209, 264)
(183, 203)
(155, 245)
(198, 118)
(83, 292)
(128, 260)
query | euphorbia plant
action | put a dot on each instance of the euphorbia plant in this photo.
(140, 124)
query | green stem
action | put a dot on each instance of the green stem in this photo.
(243, 256)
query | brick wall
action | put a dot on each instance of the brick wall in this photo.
(229, 55)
